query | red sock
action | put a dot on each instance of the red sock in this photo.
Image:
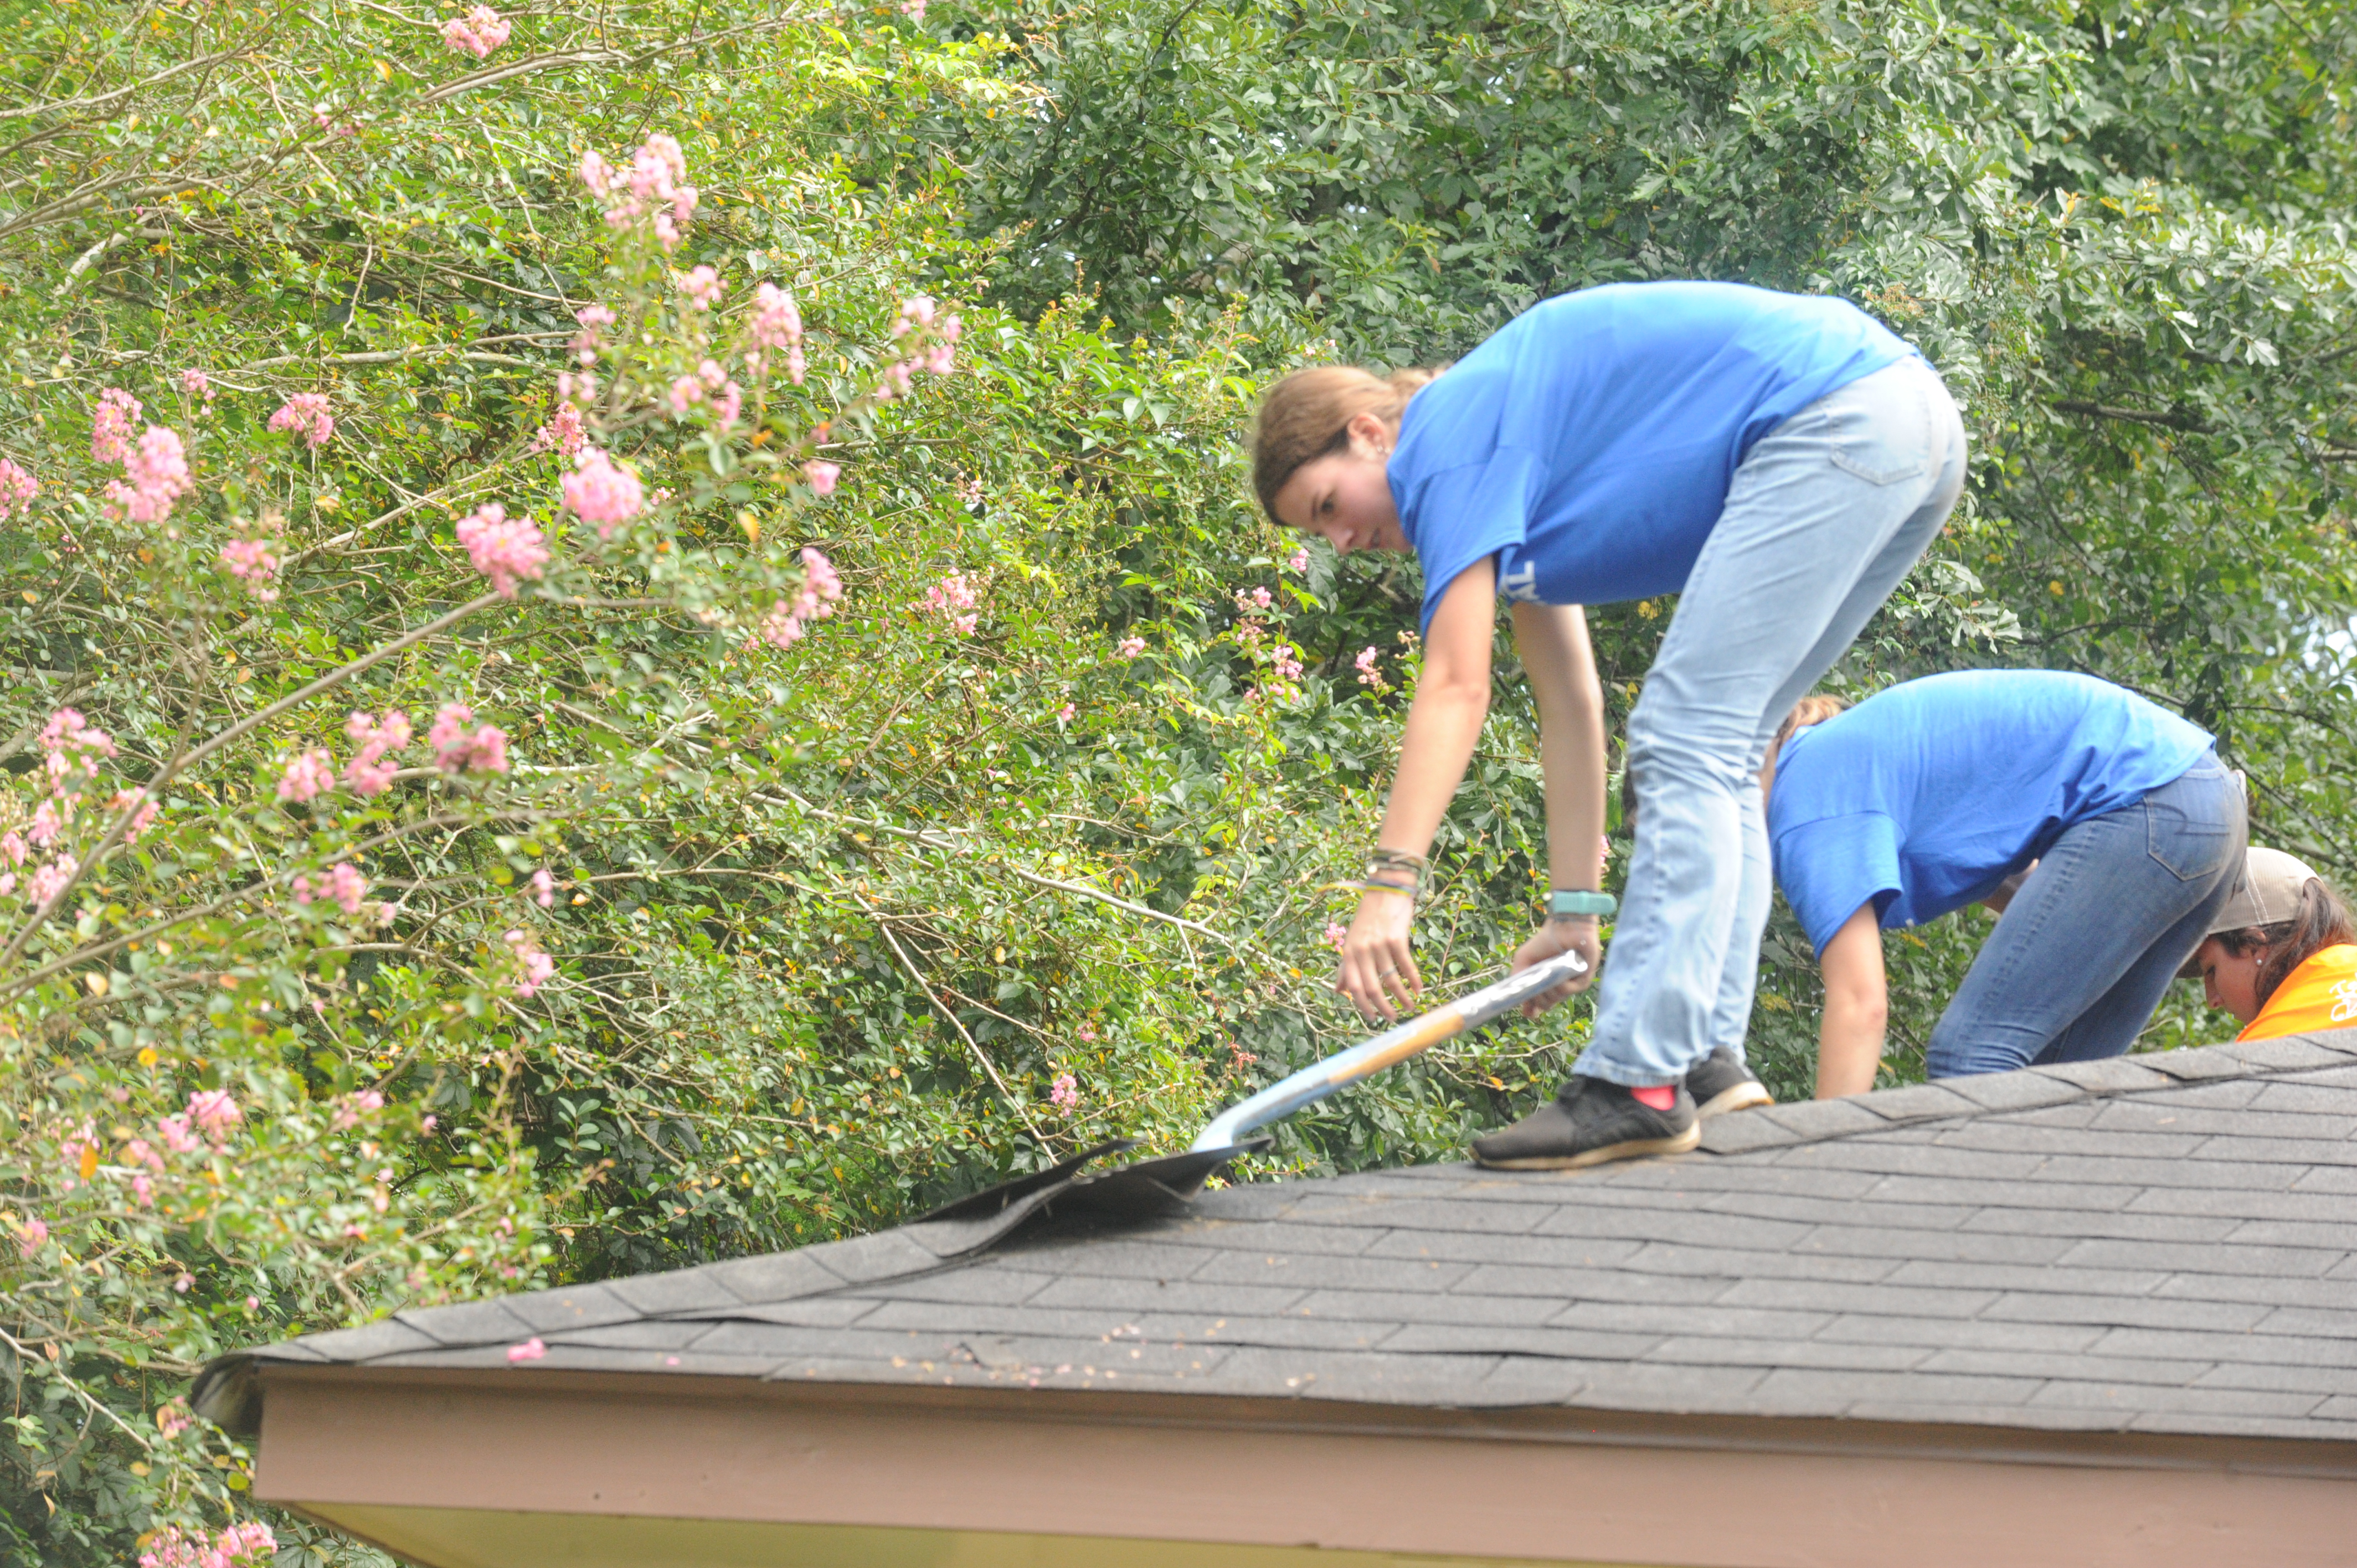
(1659, 1096)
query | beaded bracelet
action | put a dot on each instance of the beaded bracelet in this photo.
(1372, 885)
(1381, 860)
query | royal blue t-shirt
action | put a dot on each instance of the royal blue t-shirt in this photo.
(1926, 796)
(1589, 443)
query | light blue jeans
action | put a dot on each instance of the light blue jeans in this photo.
(1825, 518)
(2094, 936)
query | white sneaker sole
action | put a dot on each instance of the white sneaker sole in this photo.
(1741, 1097)
(1634, 1149)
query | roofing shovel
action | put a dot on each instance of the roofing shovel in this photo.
(1146, 1189)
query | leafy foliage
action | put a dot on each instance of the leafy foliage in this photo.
(1033, 838)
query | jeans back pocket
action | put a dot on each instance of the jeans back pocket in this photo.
(1880, 439)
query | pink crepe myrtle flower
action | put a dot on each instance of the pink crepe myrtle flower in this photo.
(563, 433)
(594, 320)
(308, 774)
(305, 414)
(457, 751)
(955, 598)
(51, 818)
(32, 1235)
(195, 383)
(1130, 646)
(111, 425)
(703, 286)
(537, 967)
(914, 10)
(543, 888)
(175, 1132)
(247, 1545)
(13, 847)
(1255, 602)
(1335, 934)
(368, 773)
(776, 323)
(654, 183)
(596, 173)
(1370, 672)
(171, 1419)
(71, 744)
(344, 884)
(780, 629)
(249, 561)
(143, 812)
(214, 1111)
(46, 885)
(1285, 662)
(598, 491)
(727, 404)
(1299, 560)
(531, 1349)
(477, 33)
(156, 474)
(820, 476)
(1064, 714)
(352, 1107)
(18, 489)
(1064, 1093)
(501, 548)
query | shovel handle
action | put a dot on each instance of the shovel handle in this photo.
(1391, 1048)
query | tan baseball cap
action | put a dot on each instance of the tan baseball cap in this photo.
(2267, 891)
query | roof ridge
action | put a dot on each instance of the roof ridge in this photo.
(2024, 1088)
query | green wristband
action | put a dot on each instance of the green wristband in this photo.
(1561, 905)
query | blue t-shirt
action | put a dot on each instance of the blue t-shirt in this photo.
(1589, 443)
(1924, 797)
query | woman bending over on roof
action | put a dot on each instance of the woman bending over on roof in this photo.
(1777, 461)
(1930, 795)
(2282, 955)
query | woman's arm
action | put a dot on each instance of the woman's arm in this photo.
(1553, 640)
(1857, 1006)
(1452, 698)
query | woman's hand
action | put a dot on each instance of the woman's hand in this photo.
(1377, 966)
(1578, 935)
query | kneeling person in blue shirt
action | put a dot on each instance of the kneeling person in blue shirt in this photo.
(1930, 795)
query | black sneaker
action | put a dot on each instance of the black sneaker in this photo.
(1588, 1123)
(1720, 1083)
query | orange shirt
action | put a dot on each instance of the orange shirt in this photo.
(2319, 994)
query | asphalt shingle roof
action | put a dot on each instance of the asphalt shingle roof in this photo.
(2164, 1244)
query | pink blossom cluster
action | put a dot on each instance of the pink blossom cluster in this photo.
(536, 967)
(308, 776)
(954, 597)
(18, 489)
(216, 1111)
(594, 320)
(306, 413)
(1064, 1093)
(172, 1419)
(689, 390)
(600, 491)
(543, 888)
(1299, 560)
(704, 287)
(44, 886)
(111, 425)
(1253, 603)
(822, 586)
(563, 433)
(914, 10)
(653, 183)
(456, 750)
(921, 314)
(32, 1235)
(1129, 647)
(352, 1107)
(777, 324)
(1336, 935)
(1370, 674)
(368, 773)
(143, 812)
(477, 33)
(343, 884)
(250, 562)
(501, 548)
(154, 474)
(247, 1545)
(195, 383)
(820, 476)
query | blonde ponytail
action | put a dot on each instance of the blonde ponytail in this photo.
(1810, 710)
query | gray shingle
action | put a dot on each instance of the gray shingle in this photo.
(2167, 1243)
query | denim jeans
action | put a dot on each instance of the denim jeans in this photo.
(1824, 517)
(2094, 936)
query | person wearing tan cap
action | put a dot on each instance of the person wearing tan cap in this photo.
(2282, 954)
